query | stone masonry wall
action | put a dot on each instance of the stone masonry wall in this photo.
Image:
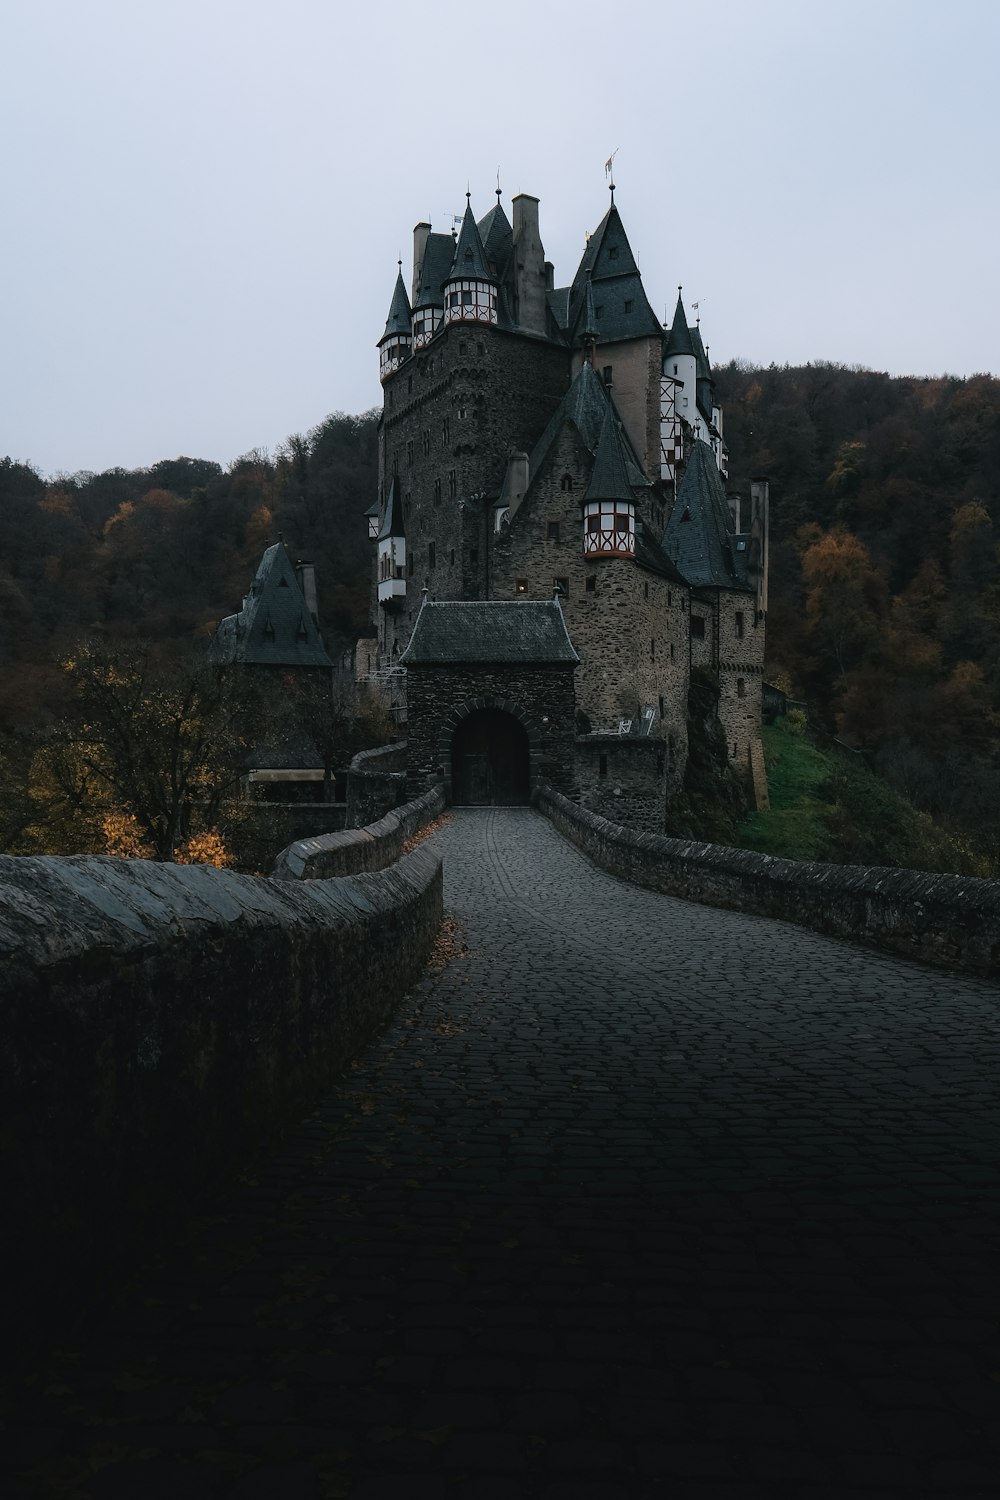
(624, 778)
(359, 850)
(628, 624)
(947, 920)
(453, 414)
(540, 696)
(159, 1022)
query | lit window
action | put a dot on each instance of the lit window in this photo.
(521, 586)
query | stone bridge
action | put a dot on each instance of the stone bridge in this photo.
(633, 1198)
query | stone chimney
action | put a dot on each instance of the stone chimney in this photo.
(515, 483)
(306, 574)
(759, 539)
(421, 233)
(529, 264)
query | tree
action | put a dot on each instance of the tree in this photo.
(152, 753)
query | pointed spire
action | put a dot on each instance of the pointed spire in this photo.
(609, 480)
(398, 321)
(392, 520)
(679, 338)
(470, 258)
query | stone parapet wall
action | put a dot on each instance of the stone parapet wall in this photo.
(949, 920)
(382, 758)
(359, 850)
(160, 1022)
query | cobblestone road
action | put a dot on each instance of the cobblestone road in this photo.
(635, 1198)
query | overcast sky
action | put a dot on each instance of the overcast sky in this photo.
(204, 199)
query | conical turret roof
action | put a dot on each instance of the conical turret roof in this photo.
(470, 257)
(438, 255)
(679, 337)
(392, 520)
(399, 319)
(609, 479)
(698, 537)
(497, 237)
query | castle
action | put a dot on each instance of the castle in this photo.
(556, 554)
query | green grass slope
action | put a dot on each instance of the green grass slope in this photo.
(827, 805)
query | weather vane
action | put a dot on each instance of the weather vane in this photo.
(608, 165)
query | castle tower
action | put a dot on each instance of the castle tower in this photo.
(470, 291)
(394, 345)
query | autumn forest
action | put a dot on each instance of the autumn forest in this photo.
(885, 570)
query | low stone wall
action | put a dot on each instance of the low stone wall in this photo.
(359, 849)
(265, 828)
(949, 920)
(158, 1023)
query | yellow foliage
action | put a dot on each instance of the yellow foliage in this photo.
(204, 849)
(123, 836)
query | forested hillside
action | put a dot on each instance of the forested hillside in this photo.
(885, 596)
(885, 581)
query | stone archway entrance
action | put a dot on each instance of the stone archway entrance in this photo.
(490, 761)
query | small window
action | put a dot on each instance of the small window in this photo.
(599, 311)
(628, 304)
(566, 482)
(481, 347)
(560, 586)
(409, 385)
(675, 369)
(446, 430)
(553, 531)
(670, 598)
(437, 492)
(418, 326)
(473, 557)
(468, 253)
(697, 628)
(409, 454)
(602, 766)
(661, 705)
(462, 348)
(431, 556)
(613, 252)
(453, 557)
(645, 591)
(452, 483)
(407, 504)
(591, 584)
(425, 443)
(607, 376)
(466, 299)
(461, 413)
(652, 649)
(671, 650)
(410, 570)
(520, 586)
(741, 688)
(739, 624)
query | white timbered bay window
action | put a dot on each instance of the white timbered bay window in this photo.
(470, 302)
(609, 528)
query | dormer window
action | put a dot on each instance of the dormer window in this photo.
(599, 311)
(468, 253)
(613, 253)
(628, 304)
(566, 482)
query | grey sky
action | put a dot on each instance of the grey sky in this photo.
(204, 199)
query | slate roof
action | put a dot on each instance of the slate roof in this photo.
(497, 237)
(462, 632)
(398, 320)
(585, 405)
(274, 627)
(469, 263)
(392, 520)
(698, 537)
(705, 392)
(609, 479)
(439, 252)
(679, 337)
(621, 307)
(649, 554)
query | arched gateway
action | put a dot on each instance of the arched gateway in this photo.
(490, 761)
(490, 701)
